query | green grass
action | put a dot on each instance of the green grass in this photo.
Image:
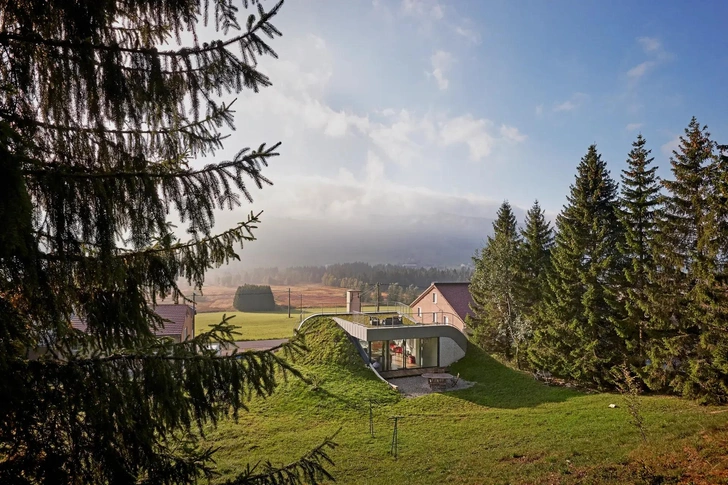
(264, 325)
(508, 428)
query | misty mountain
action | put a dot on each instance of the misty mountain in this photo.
(436, 240)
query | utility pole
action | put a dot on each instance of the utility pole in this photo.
(289, 303)
(377, 297)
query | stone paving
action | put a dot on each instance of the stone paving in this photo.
(417, 386)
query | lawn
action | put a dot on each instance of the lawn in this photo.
(265, 325)
(508, 428)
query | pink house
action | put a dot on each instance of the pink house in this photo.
(447, 303)
(178, 325)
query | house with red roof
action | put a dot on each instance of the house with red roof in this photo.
(178, 321)
(444, 302)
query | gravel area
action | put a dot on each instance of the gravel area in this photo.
(417, 386)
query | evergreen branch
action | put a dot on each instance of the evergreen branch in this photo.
(28, 122)
(36, 39)
(81, 172)
(309, 469)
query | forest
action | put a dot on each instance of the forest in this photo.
(632, 277)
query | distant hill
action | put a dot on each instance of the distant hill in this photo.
(436, 240)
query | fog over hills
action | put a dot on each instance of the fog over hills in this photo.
(436, 240)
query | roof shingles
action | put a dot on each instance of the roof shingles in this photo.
(458, 296)
(176, 314)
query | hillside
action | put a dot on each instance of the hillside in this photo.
(508, 428)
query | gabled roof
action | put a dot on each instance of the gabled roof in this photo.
(457, 294)
(176, 314)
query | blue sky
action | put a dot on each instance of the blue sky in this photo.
(406, 107)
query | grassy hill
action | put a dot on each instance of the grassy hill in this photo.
(508, 428)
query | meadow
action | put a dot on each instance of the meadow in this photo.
(507, 428)
(265, 325)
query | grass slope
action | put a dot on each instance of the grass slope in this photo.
(508, 428)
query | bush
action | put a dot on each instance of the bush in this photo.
(254, 298)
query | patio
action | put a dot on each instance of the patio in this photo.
(417, 386)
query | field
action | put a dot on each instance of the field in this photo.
(508, 428)
(264, 325)
(218, 301)
(220, 298)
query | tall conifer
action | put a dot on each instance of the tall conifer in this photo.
(638, 203)
(684, 254)
(497, 322)
(537, 239)
(576, 338)
(102, 112)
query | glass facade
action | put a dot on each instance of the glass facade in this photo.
(387, 355)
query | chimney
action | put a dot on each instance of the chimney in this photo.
(353, 301)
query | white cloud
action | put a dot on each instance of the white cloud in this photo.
(633, 126)
(364, 156)
(470, 131)
(653, 48)
(576, 100)
(403, 137)
(441, 62)
(650, 44)
(511, 133)
(539, 110)
(423, 8)
(640, 69)
(671, 145)
(472, 36)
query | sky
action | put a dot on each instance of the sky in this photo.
(408, 108)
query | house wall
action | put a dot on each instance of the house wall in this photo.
(442, 308)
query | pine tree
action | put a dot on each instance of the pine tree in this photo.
(576, 338)
(638, 203)
(497, 323)
(537, 240)
(687, 299)
(98, 123)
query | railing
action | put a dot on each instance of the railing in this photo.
(423, 318)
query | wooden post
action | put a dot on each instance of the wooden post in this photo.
(289, 303)
(378, 299)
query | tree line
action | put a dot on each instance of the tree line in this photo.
(631, 275)
(400, 283)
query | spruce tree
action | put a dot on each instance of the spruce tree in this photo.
(682, 304)
(638, 203)
(709, 370)
(537, 238)
(99, 119)
(497, 322)
(576, 338)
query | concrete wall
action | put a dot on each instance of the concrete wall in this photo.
(449, 351)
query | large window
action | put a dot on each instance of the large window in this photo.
(404, 354)
(396, 355)
(376, 354)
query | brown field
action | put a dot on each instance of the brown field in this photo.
(220, 298)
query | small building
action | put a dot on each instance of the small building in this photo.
(178, 325)
(406, 348)
(444, 303)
